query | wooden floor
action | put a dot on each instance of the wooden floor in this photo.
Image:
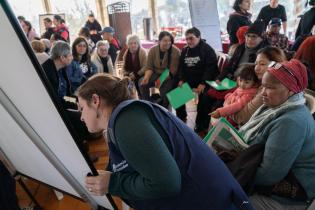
(47, 198)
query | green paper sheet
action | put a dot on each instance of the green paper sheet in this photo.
(180, 95)
(163, 76)
(226, 84)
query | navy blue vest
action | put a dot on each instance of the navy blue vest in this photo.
(206, 182)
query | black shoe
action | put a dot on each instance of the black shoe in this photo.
(184, 119)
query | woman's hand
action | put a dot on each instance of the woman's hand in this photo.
(180, 83)
(215, 114)
(98, 185)
(146, 77)
(200, 88)
(145, 81)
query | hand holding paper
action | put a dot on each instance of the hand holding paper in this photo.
(215, 114)
(225, 84)
(180, 96)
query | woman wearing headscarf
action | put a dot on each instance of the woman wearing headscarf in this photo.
(285, 125)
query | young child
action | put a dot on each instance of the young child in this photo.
(247, 88)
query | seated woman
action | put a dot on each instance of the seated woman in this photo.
(134, 59)
(247, 88)
(81, 67)
(101, 59)
(198, 63)
(264, 57)
(156, 161)
(285, 125)
(163, 56)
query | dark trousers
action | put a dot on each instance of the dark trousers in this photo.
(164, 89)
(8, 199)
(206, 105)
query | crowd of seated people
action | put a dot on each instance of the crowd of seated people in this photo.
(268, 105)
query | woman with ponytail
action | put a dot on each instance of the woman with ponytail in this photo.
(156, 161)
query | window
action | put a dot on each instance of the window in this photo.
(30, 9)
(178, 21)
(225, 8)
(139, 10)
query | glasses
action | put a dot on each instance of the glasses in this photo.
(278, 66)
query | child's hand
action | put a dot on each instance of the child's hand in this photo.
(215, 114)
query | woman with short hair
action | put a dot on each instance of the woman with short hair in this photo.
(101, 59)
(39, 49)
(134, 59)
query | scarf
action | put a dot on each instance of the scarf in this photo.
(264, 115)
(132, 65)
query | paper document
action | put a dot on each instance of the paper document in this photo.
(226, 84)
(180, 95)
(223, 136)
(163, 77)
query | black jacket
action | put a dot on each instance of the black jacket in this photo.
(198, 64)
(306, 23)
(47, 34)
(234, 62)
(52, 75)
(235, 21)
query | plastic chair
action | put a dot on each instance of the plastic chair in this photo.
(222, 60)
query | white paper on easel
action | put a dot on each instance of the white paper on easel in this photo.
(204, 16)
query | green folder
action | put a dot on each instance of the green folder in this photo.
(226, 84)
(163, 76)
(180, 95)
